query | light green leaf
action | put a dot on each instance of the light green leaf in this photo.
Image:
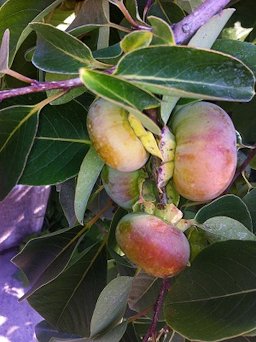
(4, 51)
(60, 145)
(221, 228)
(111, 305)
(192, 73)
(16, 15)
(167, 105)
(209, 32)
(89, 172)
(136, 40)
(162, 31)
(59, 52)
(18, 126)
(214, 299)
(123, 93)
(227, 205)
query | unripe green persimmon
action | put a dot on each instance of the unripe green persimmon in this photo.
(159, 248)
(206, 155)
(113, 138)
(122, 187)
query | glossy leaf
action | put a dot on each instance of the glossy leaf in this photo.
(60, 145)
(221, 228)
(59, 52)
(162, 32)
(17, 132)
(227, 205)
(75, 292)
(193, 73)
(122, 93)
(250, 201)
(214, 299)
(244, 51)
(16, 16)
(136, 40)
(111, 305)
(43, 258)
(89, 172)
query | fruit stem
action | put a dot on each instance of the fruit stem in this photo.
(157, 310)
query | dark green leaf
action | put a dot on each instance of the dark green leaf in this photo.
(111, 305)
(68, 301)
(67, 199)
(215, 298)
(110, 54)
(227, 205)
(17, 132)
(44, 332)
(59, 52)
(16, 15)
(221, 228)
(191, 73)
(250, 201)
(122, 93)
(89, 172)
(60, 145)
(44, 258)
(244, 51)
(168, 11)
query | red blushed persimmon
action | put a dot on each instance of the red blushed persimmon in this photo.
(206, 154)
(113, 137)
(122, 187)
(159, 248)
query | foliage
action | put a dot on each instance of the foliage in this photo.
(72, 52)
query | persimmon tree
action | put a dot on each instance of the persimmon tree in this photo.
(142, 114)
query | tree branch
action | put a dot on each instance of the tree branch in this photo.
(187, 27)
(183, 30)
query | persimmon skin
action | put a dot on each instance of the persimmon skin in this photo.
(206, 154)
(113, 138)
(122, 187)
(159, 248)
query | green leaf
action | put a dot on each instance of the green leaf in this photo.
(209, 32)
(17, 132)
(111, 305)
(144, 292)
(205, 74)
(227, 205)
(59, 52)
(250, 201)
(168, 11)
(136, 40)
(122, 93)
(221, 228)
(42, 259)
(4, 51)
(89, 172)
(16, 16)
(244, 51)
(162, 31)
(71, 94)
(60, 145)
(44, 331)
(67, 199)
(73, 294)
(114, 335)
(110, 55)
(215, 298)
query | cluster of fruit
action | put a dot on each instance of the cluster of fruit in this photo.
(202, 162)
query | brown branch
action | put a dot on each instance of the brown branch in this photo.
(188, 26)
(183, 30)
(157, 310)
